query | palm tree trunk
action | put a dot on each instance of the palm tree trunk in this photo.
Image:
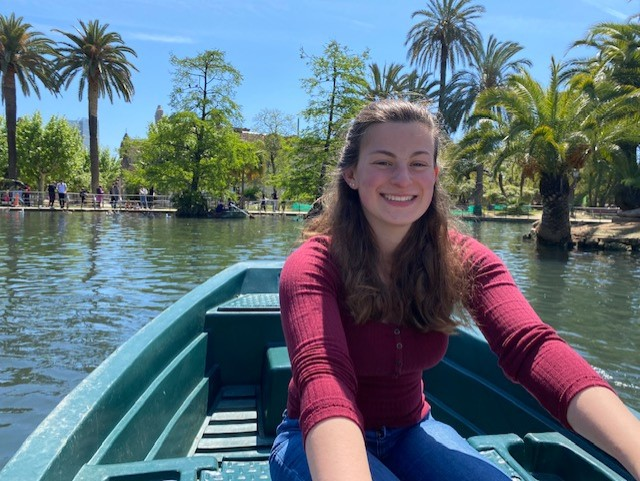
(479, 193)
(94, 152)
(444, 55)
(11, 109)
(555, 225)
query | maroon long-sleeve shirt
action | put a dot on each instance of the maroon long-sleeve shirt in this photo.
(372, 373)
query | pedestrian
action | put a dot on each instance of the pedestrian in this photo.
(99, 196)
(51, 191)
(27, 195)
(367, 304)
(114, 194)
(143, 192)
(61, 187)
(263, 203)
(83, 197)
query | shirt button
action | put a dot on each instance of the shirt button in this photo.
(397, 331)
(399, 345)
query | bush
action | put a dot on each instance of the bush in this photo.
(190, 204)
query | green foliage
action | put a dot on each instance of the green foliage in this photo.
(301, 175)
(185, 153)
(190, 204)
(205, 84)
(50, 152)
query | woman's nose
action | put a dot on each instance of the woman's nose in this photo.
(401, 175)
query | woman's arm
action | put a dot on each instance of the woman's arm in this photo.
(336, 451)
(600, 416)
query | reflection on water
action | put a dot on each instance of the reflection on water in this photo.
(74, 286)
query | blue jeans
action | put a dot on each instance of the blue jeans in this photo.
(427, 451)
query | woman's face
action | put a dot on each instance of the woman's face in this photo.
(395, 176)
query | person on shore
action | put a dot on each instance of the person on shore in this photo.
(367, 303)
(27, 195)
(114, 194)
(83, 197)
(99, 196)
(143, 192)
(263, 203)
(51, 191)
(61, 187)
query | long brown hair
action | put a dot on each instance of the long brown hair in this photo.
(427, 279)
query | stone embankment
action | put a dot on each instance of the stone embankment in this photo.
(622, 233)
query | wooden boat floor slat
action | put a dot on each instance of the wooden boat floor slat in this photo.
(231, 443)
(234, 416)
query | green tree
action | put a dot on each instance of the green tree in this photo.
(336, 89)
(185, 153)
(100, 59)
(51, 152)
(205, 84)
(275, 125)
(549, 119)
(444, 34)
(24, 58)
(616, 63)
(489, 67)
(392, 82)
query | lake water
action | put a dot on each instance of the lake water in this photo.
(74, 286)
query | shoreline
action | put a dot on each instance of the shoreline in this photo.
(587, 232)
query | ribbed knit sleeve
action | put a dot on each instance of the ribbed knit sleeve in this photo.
(530, 352)
(324, 382)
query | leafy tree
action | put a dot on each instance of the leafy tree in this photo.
(301, 175)
(24, 59)
(275, 126)
(185, 153)
(549, 119)
(335, 88)
(205, 84)
(100, 59)
(51, 152)
(444, 35)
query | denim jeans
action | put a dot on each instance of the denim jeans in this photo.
(427, 451)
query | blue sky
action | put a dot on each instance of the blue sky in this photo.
(263, 38)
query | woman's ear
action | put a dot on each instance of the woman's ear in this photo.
(349, 178)
(436, 169)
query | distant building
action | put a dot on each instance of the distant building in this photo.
(83, 126)
(159, 113)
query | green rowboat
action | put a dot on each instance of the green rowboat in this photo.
(198, 392)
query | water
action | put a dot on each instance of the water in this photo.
(74, 286)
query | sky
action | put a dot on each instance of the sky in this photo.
(263, 39)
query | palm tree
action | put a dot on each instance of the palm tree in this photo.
(549, 119)
(489, 67)
(446, 33)
(100, 57)
(617, 62)
(23, 57)
(391, 82)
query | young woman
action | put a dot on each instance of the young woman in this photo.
(367, 304)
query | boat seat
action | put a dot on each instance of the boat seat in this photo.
(274, 385)
(541, 456)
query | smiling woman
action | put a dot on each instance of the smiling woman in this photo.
(367, 305)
